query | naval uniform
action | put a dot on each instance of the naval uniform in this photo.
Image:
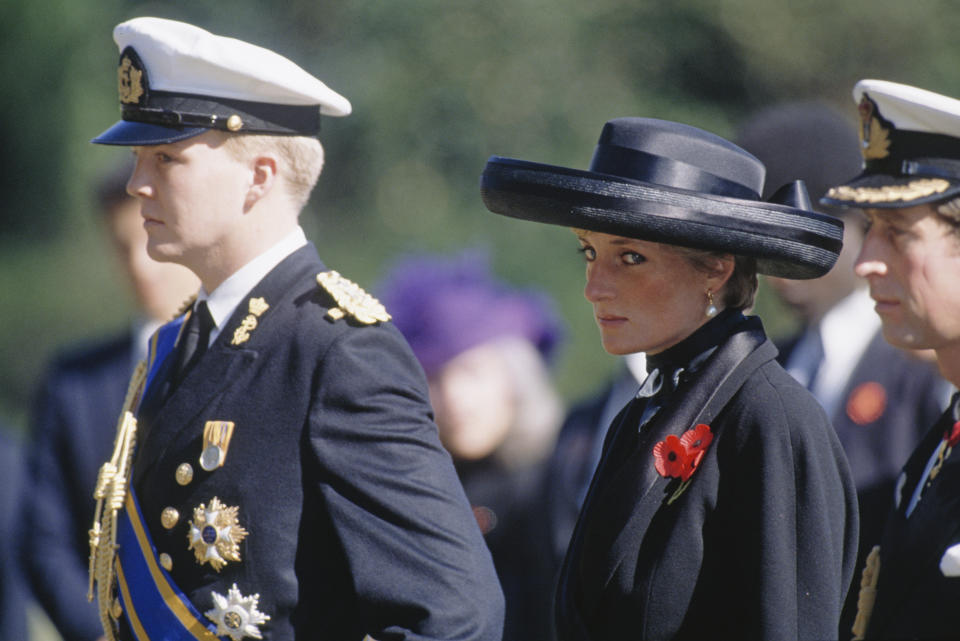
(335, 513)
(918, 584)
(760, 544)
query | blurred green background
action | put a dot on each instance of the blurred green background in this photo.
(437, 87)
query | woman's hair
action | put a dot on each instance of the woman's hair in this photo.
(741, 288)
(301, 156)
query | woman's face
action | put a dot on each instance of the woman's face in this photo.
(646, 296)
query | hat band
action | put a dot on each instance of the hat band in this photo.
(659, 170)
(187, 110)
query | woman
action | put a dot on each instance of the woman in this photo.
(485, 348)
(723, 506)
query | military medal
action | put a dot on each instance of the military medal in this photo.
(216, 440)
(236, 615)
(215, 534)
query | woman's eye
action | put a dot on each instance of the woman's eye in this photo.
(589, 253)
(633, 258)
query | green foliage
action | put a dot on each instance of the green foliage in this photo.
(437, 87)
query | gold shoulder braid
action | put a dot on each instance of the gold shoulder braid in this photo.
(868, 593)
(351, 299)
(110, 493)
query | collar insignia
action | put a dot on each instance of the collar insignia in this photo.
(236, 615)
(351, 300)
(255, 308)
(129, 81)
(874, 136)
(215, 534)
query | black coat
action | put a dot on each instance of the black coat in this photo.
(915, 600)
(760, 546)
(73, 427)
(357, 523)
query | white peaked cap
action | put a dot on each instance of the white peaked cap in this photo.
(912, 109)
(183, 58)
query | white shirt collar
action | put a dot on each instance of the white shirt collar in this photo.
(224, 299)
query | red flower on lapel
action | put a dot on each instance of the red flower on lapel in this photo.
(952, 435)
(680, 457)
(670, 457)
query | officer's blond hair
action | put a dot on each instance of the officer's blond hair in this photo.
(301, 157)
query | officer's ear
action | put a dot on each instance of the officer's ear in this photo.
(263, 177)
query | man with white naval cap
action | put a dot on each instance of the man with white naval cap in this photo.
(277, 473)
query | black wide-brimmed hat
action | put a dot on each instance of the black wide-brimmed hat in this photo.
(910, 142)
(671, 183)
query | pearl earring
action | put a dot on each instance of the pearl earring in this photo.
(711, 308)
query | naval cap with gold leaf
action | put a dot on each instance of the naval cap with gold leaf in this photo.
(177, 81)
(910, 142)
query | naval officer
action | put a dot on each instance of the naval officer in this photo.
(909, 191)
(276, 473)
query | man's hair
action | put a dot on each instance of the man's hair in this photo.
(741, 288)
(301, 158)
(949, 211)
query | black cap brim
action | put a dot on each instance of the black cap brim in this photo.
(787, 242)
(134, 134)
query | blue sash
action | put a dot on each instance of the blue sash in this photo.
(162, 343)
(155, 608)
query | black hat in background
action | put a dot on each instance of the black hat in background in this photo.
(806, 141)
(675, 184)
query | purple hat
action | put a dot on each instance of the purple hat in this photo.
(444, 306)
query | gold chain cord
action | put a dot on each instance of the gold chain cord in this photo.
(110, 493)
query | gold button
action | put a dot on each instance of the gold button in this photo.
(169, 517)
(234, 123)
(184, 473)
(166, 562)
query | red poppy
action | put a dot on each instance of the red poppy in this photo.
(695, 458)
(671, 458)
(952, 435)
(698, 439)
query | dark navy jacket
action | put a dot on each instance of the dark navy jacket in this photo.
(357, 523)
(761, 545)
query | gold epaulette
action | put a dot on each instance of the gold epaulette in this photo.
(351, 300)
(868, 593)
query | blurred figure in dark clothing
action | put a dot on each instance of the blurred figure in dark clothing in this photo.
(74, 419)
(13, 495)
(485, 348)
(881, 399)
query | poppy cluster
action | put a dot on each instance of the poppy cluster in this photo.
(679, 457)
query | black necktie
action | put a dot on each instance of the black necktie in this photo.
(193, 342)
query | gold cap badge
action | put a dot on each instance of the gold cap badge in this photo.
(129, 81)
(874, 137)
(351, 299)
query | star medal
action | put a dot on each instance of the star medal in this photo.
(236, 615)
(215, 534)
(216, 440)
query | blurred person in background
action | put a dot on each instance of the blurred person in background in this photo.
(909, 191)
(75, 412)
(485, 348)
(723, 505)
(15, 494)
(880, 399)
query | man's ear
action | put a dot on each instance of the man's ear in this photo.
(264, 177)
